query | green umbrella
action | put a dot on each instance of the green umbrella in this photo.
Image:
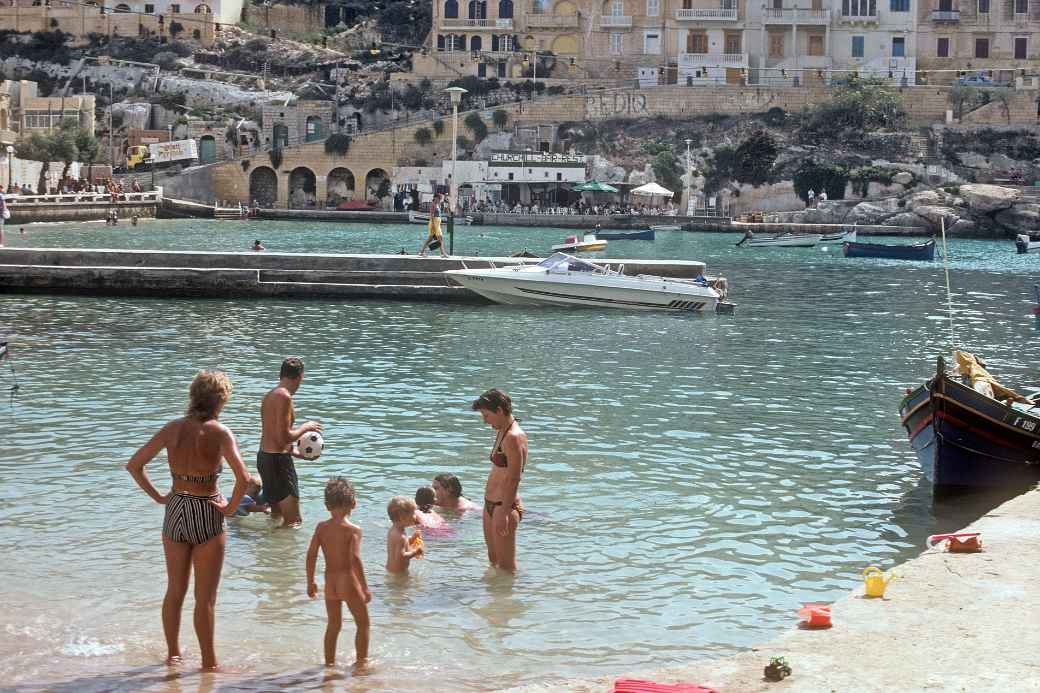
(594, 186)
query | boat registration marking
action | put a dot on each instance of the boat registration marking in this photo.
(1025, 424)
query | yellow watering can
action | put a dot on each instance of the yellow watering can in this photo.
(875, 582)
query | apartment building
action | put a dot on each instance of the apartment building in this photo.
(998, 36)
(23, 111)
(694, 42)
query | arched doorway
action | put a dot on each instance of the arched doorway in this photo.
(280, 135)
(565, 45)
(374, 184)
(263, 186)
(313, 129)
(203, 9)
(302, 187)
(475, 44)
(451, 9)
(340, 182)
(207, 149)
(505, 9)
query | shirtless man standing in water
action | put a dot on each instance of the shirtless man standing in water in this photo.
(502, 507)
(274, 460)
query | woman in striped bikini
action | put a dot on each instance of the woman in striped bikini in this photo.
(193, 531)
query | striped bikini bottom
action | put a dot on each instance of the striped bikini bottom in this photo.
(192, 519)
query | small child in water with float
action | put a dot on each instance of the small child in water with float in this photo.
(253, 501)
(400, 548)
(340, 542)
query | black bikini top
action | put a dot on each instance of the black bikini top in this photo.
(197, 478)
(498, 458)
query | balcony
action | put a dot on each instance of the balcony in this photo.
(796, 15)
(858, 18)
(475, 24)
(614, 21)
(695, 60)
(946, 15)
(715, 14)
(550, 21)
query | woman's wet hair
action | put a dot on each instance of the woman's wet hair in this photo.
(450, 483)
(209, 391)
(494, 400)
(339, 493)
(425, 498)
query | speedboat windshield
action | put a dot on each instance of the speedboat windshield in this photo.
(560, 262)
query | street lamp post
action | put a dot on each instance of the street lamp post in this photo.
(689, 175)
(10, 166)
(456, 97)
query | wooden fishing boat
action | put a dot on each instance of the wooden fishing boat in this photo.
(1024, 243)
(847, 236)
(917, 251)
(964, 437)
(666, 227)
(787, 240)
(647, 235)
(573, 244)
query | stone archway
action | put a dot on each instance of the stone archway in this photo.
(263, 186)
(373, 182)
(340, 182)
(302, 188)
(565, 45)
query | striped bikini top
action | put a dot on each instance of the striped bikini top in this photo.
(197, 478)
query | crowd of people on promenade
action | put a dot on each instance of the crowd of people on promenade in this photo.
(193, 533)
(71, 185)
(580, 208)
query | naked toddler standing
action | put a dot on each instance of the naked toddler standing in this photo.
(340, 543)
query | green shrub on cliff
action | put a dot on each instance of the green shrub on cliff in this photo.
(819, 177)
(858, 107)
(754, 158)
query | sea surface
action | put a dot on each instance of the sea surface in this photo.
(692, 478)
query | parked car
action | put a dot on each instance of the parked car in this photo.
(980, 79)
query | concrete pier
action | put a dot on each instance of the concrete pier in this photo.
(29, 209)
(948, 622)
(245, 274)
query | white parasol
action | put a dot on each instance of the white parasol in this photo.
(651, 190)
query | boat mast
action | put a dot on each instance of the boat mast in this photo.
(949, 293)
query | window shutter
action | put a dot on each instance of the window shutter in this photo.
(1009, 10)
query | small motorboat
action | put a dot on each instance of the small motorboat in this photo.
(588, 243)
(1024, 243)
(973, 433)
(666, 227)
(917, 251)
(647, 235)
(843, 237)
(785, 240)
(424, 218)
(565, 280)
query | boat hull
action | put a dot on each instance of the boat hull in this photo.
(520, 291)
(793, 241)
(583, 247)
(920, 251)
(647, 235)
(1024, 244)
(844, 237)
(964, 438)
(666, 227)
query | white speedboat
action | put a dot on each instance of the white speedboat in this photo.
(587, 243)
(424, 218)
(839, 238)
(1024, 243)
(564, 280)
(787, 240)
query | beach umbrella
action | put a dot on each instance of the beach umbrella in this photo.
(651, 190)
(594, 186)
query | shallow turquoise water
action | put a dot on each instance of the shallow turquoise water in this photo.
(692, 480)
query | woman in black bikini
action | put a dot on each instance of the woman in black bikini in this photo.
(503, 509)
(193, 530)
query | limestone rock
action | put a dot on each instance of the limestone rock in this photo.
(1023, 218)
(134, 115)
(903, 178)
(637, 177)
(989, 198)
(494, 141)
(604, 170)
(867, 213)
(974, 160)
(925, 197)
(934, 214)
(907, 219)
(963, 228)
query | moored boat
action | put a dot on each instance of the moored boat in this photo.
(424, 218)
(964, 436)
(1024, 243)
(666, 227)
(847, 236)
(786, 240)
(565, 280)
(917, 251)
(647, 235)
(586, 243)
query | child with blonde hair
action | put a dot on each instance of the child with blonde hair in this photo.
(400, 548)
(340, 543)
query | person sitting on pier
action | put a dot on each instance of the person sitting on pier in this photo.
(258, 246)
(135, 186)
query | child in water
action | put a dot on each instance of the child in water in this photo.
(340, 543)
(425, 515)
(399, 546)
(253, 501)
